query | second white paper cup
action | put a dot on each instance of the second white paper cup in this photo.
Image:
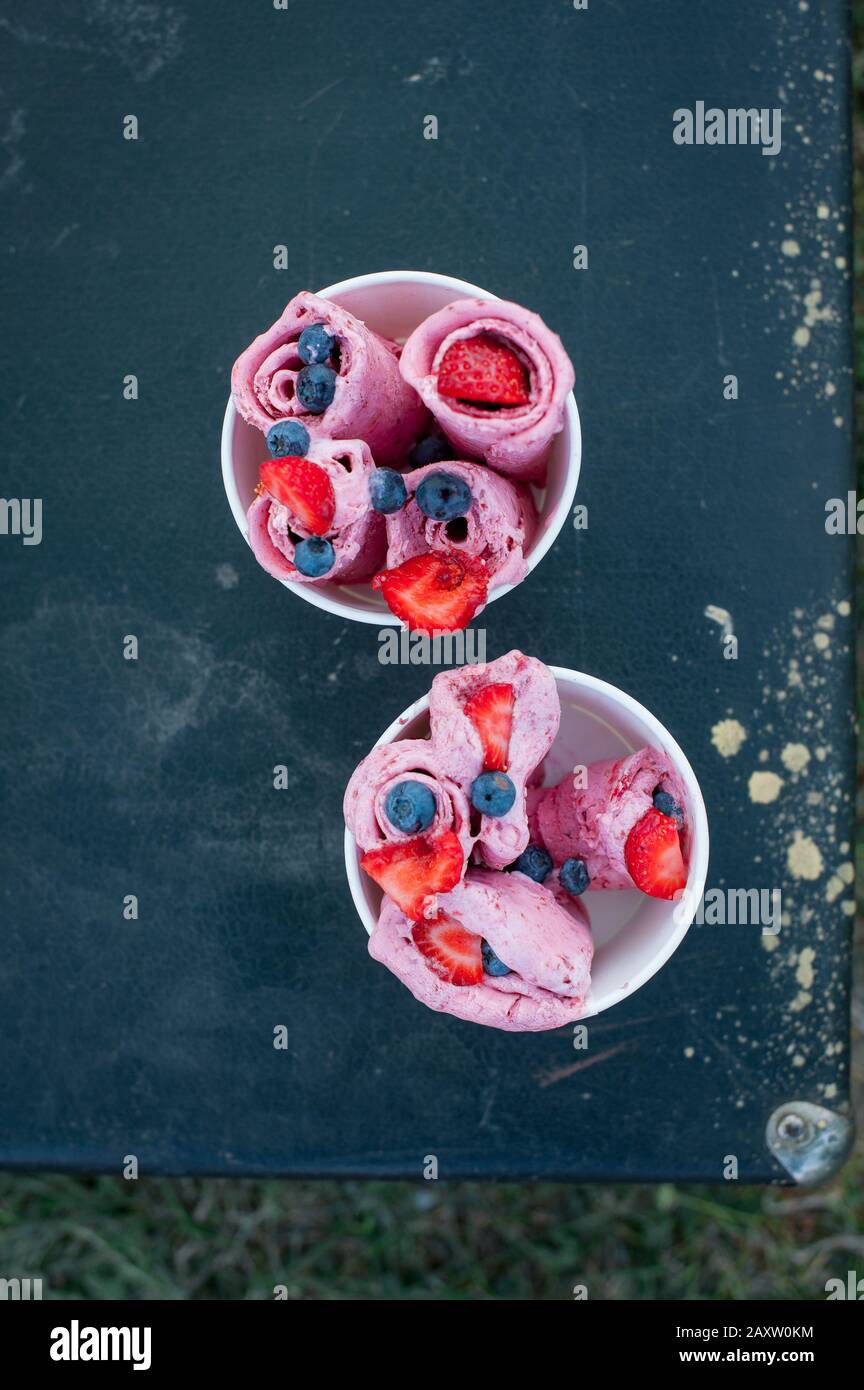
(634, 935)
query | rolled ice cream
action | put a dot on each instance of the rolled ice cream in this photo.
(388, 766)
(456, 705)
(497, 527)
(599, 814)
(370, 398)
(513, 428)
(536, 975)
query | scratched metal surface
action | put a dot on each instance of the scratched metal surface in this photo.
(154, 777)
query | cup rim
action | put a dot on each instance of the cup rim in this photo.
(699, 840)
(321, 598)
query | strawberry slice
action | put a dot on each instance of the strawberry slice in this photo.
(491, 713)
(653, 856)
(449, 950)
(485, 370)
(435, 592)
(413, 871)
(304, 488)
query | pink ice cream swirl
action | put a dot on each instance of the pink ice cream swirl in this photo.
(546, 945)
(357, 533)
(410, 759)
(459, 750)
(592, 822)
(371, 402)
(514, 439)
(497, 528)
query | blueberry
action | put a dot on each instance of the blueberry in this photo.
(411, 807)
(314, 557)
(534, 862)
(443, 496)
(668, 806)
(434, 449)
(491, 964)
(573, 875)
(492, 793)
(315, 344)
(387, 491)
(288, 437)
(316, 387)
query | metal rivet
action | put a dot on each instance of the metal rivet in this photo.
(794, 1128)
(810, 1141)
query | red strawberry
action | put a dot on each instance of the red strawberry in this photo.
(437, 591)
(449, 950)
(491, 713)
(483, 369)
(653, 856)
(412, 871)
(304, 488)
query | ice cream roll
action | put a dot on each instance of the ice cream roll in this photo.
(466, 508)
(492, 726)
(501, 952)
(496, 380)
(619, 823)
(412, 823)
(374, 809)
(322, 366)
(312, 520)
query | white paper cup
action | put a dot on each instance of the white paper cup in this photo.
(394, 302)
(634, 935)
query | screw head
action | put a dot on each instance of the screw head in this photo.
(794, 1129)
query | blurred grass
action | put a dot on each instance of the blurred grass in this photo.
(213, 1239)
(209, 1239)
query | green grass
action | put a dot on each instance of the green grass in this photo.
(170, 1239)
(173, 1239)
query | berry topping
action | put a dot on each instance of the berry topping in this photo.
(413, 871)
(434, 449)
(387, 491)
(288, 437)
(491, 713)
(491, 964)
(315, 344)
(314, 557)
(411, 807)
(653, 855)
(573, 875)
(483, 370)
(435, 592)
(534, 862)
(443, 496)
(492, 793)
(316, 387)
(304, 488)
(449, 950)
(668, 806)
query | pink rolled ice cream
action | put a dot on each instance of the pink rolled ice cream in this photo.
(460, 751)
(497, 528)
(546, 946)
(592, 823)
(372, 401)
(409, 759)
(512, 439)
(357, 533)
